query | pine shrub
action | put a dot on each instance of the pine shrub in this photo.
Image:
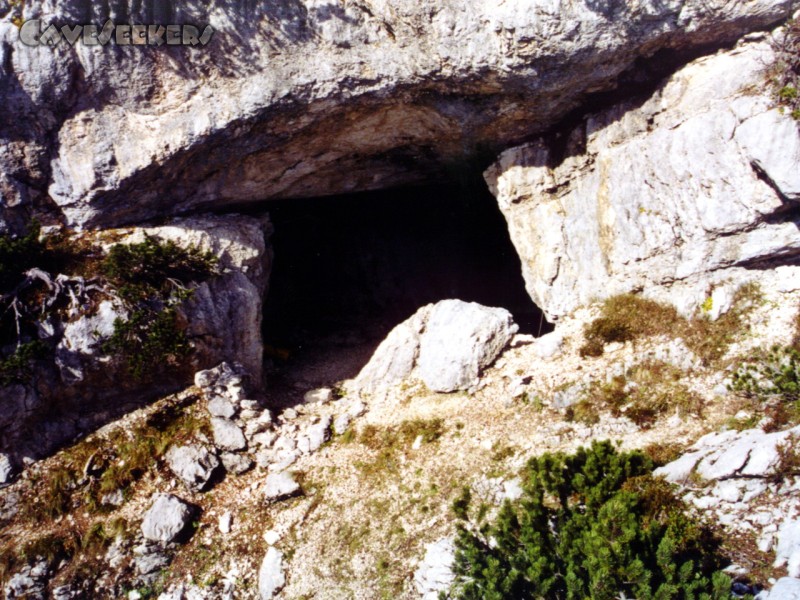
(596, 525)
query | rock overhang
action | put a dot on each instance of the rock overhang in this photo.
(300, 100)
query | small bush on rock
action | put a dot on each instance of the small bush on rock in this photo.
(153, 278)
(772, 379)
(785, 74)
(596, 525)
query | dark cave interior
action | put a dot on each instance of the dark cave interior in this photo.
(362, 263)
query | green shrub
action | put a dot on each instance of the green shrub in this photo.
(153, 278)
(773, 374)
(596, 525)
(155, 269)
(17, 366)
(17, 255)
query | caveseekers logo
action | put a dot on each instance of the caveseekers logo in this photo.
(37, 33)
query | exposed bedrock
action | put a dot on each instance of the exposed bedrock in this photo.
(306, 98)
(683, 195)
(85, 387)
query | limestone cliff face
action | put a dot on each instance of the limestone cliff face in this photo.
(683, 195)
(308, 97)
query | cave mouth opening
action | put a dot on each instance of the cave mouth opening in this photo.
(347, 269)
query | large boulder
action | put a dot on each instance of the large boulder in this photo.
(306, 98)
(446, 345)
(674, 194)
(166, 518)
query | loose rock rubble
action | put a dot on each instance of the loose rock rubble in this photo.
(736, 477)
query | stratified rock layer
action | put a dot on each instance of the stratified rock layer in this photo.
(308, 98)
(691, 189)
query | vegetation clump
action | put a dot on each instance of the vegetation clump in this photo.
(646, 392)
(594, 524)
(628, 317)
(785, 74)
(152, 279)
(772, 380)
(60, 277)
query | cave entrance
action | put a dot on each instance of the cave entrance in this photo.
(347, 269)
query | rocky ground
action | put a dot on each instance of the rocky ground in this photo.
(349, 493)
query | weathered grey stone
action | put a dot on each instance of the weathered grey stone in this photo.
(396, 356)
(166, 518)
(717, 456)
(66, 592)
(9, 505)
(221, 407)
(549, 345)
(446, 344)
(7, 470)
(618, 211)
(315, 435)
(29, 583)
(115, 498)
(786, 588)
(194, 465)
(787, 552)
(227, 435)
(82, 338)
(265, 439)
(565, 398)
(435, 574)
(236, 463)
(243, 121)
(279, 486)
(225, 522)
(342, 423)
(271, 577)
(460, 339)
(150, 563)
(321, 395)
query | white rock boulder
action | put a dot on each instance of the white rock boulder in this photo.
(435, 574)
(192, 464)
(166, 518)
(271, 576)
(446, 345)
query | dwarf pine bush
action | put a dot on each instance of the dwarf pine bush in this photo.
(596, 525)
(775, 373)
(153, 278)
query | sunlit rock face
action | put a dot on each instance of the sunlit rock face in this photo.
(308, 98)
(684, 195)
